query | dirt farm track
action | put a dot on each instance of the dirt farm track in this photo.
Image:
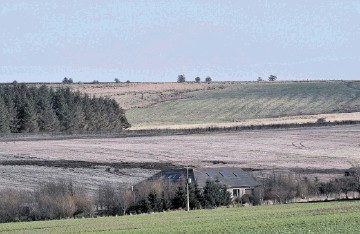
(90, 162)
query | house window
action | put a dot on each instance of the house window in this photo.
(236, 192)
(249, 191)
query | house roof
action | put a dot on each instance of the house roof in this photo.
(230, 176)
(174, 175)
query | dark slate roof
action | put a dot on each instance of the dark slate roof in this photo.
(174, 175)
(230, 176)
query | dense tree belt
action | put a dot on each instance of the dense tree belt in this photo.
(25, 109)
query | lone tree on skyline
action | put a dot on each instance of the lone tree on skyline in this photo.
(197, 79)
(181, 79)
(272, 78)
(117, 80)
(208, 79)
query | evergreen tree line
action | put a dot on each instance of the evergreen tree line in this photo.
(159, 197)
(30, 109)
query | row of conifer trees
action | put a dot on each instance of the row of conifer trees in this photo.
(30, 109)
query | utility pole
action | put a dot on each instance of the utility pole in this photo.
(187, 189)
(133, 193)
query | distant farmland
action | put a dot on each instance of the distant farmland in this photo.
(188, 105)
(243, 101)
(321, 151)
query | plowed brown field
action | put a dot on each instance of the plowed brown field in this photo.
(321, 148)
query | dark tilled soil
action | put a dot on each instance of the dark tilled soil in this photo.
(85, 164)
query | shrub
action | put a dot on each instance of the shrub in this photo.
(54, 200)
(247, 199)
(320, 120)
(11, 204)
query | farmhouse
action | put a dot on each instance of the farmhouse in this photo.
(353, 171)
(236, 180)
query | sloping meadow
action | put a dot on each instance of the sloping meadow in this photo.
(242, 101)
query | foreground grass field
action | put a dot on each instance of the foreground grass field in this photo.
(331, 217)
(241, 101)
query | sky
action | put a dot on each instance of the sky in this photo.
(155, 41)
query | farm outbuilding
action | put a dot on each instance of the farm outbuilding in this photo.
(237, 181)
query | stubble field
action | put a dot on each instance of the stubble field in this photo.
(320, 150)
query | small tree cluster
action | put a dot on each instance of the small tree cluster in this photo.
(67, 80)
(159, 197)
(53, 200)
(11, 205)
(215, 194)
(60, 200)
(284, 187)
(182, 79)
(113, 201)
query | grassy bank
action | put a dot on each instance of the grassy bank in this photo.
(331, 217)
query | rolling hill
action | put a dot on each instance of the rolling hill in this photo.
(188, 105)
(243, 101)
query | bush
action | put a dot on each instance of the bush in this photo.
(247, 199)
(54, 200)
(321, 120)
(281, 187)
(11, 205)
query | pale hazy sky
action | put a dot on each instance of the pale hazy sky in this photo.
(44, 41)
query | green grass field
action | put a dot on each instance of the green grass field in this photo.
(252, 100)
(331, 217)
